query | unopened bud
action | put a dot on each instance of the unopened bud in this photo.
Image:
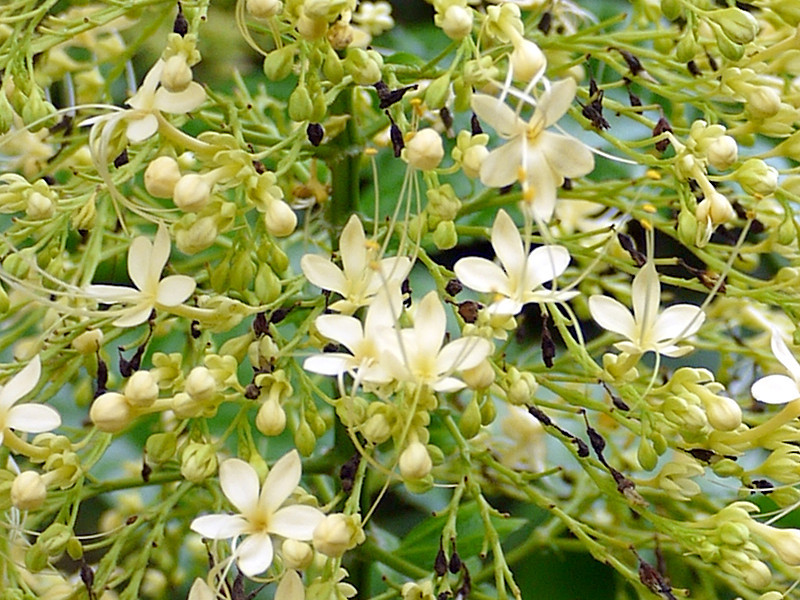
(527, 60)
(160, 176)
(470, 421)
(456, 21)
(192, 192)
(271, 418)
(88, 342)
(738, 25)
(425, 150)
(757, 177)
(39, 207)
(280, 219)
(296, 554)
(763, 102)
(445, 236)
(198, 462)
(415, 462)
(722, 152)
(111, 412)
(160, 447)
(337, 533)
(28, 492)
(141, 389)
(304, 439)
(480, 376)
(200, 385)
(278, 63)
(264, 9)
(177, 74)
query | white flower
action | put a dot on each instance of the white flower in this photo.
(29, 418)
(261, 514)
(520, 279)
(146, 261)
(539, 159)
(646, 329)
(779, 389)
(361, 275)
(418, 355)
(375, 17)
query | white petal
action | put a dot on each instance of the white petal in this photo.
(141, 128)
(506, 306)
(775, 389)
(353, 249)
(498, 115)
(545, 264)
(395, 268)
(219, 527)
(784, 355)
(140, 259)
(463, 353)
(340, 328)
(143, 98)
(682, 320)
(566, 155)
(482, 275)
(384, 310)
(160, 254)
(507, 244)
(501, 167)
(174, 290)
(557, 100)
(32, 418)
(179, 102)
(430, 322)
(21, 383)
(646, 297)
(110, 294)
(254, 554)
(544, 183)
(296, 522)
(281, 481)
(448, 385)
(323, 273)
(239, 482)
(136, 315)
(330, 364)
(612, 316)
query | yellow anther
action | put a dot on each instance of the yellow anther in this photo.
(370, 151)
(649, 208)
(653, 174)
(522, 173)
(646, 225)
(409, 136)
(372, 245)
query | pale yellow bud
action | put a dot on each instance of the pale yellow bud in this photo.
(763, 102)
(28, 492)
(785, 542)
(141, 389)
(198, 462)
(39, 207)
(472, 160)
(311, 28)
(89, 341)
(271, 418)
(160, 176)
(756, 574)
(415, 462)
(425, 150)
(192, 192)
(480, 376)
(176, 75)
(757, 177)
(377, 429)
(280, 219)
(456, 22)
(527, 60)
(715, 208)
(722, 152)
(296, 554)
(200, 385)
(337, 533)
(111, 412)
(723, 413)
(264, 9)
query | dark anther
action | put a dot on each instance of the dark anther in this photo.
(388, 97)
(693, 68)
(634, 64)
(711, 62)
(259, 167)
(652, 579)
(567, 185)
(237, 589)
(396, 136)
(65, 125)
(662, 126)
(545, 22)
(122, 159)
(455, 562)
(146, 470)
(475, 125)
(87, 577)
(453, 287)
(440, 563)
(506, 189)
(279, 314)
(252, 391)
(762, 485)
(466, 587)
(594, 109)
(702, 454)
(347, 474)
(707, 278)
(540, 416)
(102, 376)
(468, 310)
(632, 98)
(443, 595)
(548, 345)
(595, 439)
(629, 246)
(128, 367)
(260, 325)
(615, 400)
(194, 329)
(405, 289)
(315, 133)
(446, 117)
(181, 25)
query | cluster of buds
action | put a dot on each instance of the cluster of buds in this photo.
(454, 17)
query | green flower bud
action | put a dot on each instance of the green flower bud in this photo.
(364, 66)
(445, 235)
(198, 462)
(300, 106)
(734, 534)
(488, 411)
(438, 92)
(787, 232)
(738, 25)
(161, 447)
(377, 429)
(278, 63)
(646, 455)
(727, 467)
(687, 227)
(419, 486)
(267, 284)
(75, 548)
(53, 540)
(332, 68)
(671, 9)
(470, 421)
(37, 110)
(463, 95)
(727, 47)
(35, 558)
(687, 47)
(304, 439)
(6, 113)
(5, 303)
(243, 270)
(756, 177)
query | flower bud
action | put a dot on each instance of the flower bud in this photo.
(200, 385)
(198, 462)
(738, 25)
(714, 208)
(472, 160)
(278, 63)
(437, 92)
(756, 574)
(301, 107)
(337, 533)
(723, 413)
(363, 65)
(376, 429)
(53, 540)
(415, 462)
(527, 60)
(271, 418)
(28, 492)
(757, 177)
(192, 192)
(267, 285)
(39, 207)
(160, 447)
(722, 152)
(280, 219)
(470, 421)
(304, 439)
(445, 236)
(311, 28)
(687, 227)
(456, 21)
(141, 389)
(160, 176)
(763, 102)
(785, 542)
(296, 554)
(480, 376)
(264, 9)
(110, 412)
(646, 455)
(195, 234)
(88, 342)
(176, 74)
(425, 150)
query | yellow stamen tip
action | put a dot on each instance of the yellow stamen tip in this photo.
(653, 174)
(649, 208)
(646, 225)
(370, 151)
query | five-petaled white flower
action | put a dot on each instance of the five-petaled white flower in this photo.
(417, 354)
(262, 515)
(29, 418)
(646, 329)
(537, 158)
(146, 261)
(520, 279)
(361, 275)
(779, 389)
